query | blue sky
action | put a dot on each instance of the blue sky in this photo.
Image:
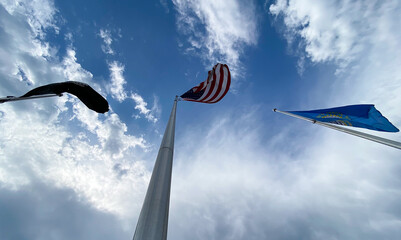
(240, 170)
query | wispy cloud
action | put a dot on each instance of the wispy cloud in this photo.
(72, 70)
(335, 31)
(165, 5)
(105, 34)
(217, 30)
(116, 87)
(141, 106)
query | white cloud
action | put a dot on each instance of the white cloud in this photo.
(218, 29)
(111, 132)
(37, 144)
(141, 105)
(21, 47)
(85, 160)
(116, 87)
(106, 36)
(165, 5)
(341, 180)
(333, 30)
(236, 185)
(156, 108)
(39, 14)
(360, 37)
(58, 140)
(72, 70)
(50, 212)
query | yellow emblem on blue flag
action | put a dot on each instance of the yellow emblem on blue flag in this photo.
(362, 116)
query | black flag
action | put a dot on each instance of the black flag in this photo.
(83, 91)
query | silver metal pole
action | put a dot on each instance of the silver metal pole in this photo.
(153, 219)
(370, 137)
(12, 98)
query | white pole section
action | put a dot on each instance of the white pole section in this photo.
(12, 98)
(153, 219)
(370, 137)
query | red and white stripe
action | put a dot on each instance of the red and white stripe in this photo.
(216, 85)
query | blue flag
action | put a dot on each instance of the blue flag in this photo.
(363, 116)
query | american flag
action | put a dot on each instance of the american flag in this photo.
(213, 89)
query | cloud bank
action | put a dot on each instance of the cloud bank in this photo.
(237, 186)
(58, 141)
(52, 214)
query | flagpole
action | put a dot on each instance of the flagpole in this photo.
(153, 219)
(12, 98)
(370, 137)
